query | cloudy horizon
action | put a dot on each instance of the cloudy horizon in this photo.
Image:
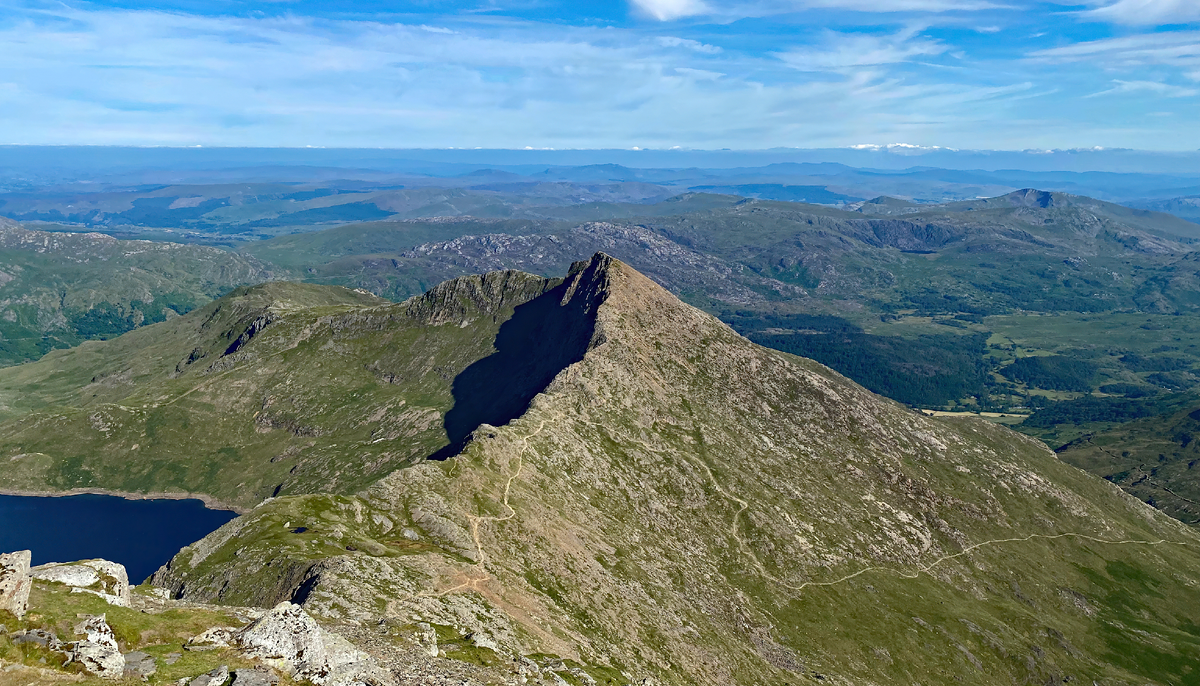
(976, 74)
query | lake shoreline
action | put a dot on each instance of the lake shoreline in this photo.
(210, 502)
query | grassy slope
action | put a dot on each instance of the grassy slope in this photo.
(338, 388)
(60, 289)
(54, 608)
(1155, 459)
(685, 505)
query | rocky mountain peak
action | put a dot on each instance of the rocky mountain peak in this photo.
(643, 487)
(1031, 197)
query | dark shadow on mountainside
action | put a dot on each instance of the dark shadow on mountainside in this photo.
(543, 337)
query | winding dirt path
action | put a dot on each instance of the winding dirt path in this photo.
(472, 581)
(743, 505)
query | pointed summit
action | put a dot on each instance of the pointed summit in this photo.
(673, 502)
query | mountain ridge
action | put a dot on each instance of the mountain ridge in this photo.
(616, 521)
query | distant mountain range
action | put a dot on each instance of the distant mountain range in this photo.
(220, 197)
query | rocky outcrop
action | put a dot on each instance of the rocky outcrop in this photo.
(15, 582)
(254, 676)
(98, 652)
(216, 638)
(288, 639)
(215, 677)
(108, 580)
(140, 665)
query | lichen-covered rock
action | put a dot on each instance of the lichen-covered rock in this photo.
(139, 665)
(40, 637)
(216, 677)
(15, 582)
(98, 653)
(109, 580)
(255, 676)
(427, 637)
(288, 639)
(211, 639)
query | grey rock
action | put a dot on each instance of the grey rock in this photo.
(288, 639)
(172, 658)
(15, 582)
(139, 665)
(109, 580)
(255, 676)
(212, 639)
(216, 677)
(41, 637)
(98, 653)
(428, 638)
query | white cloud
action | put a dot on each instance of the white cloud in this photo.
(667, 10)
(741, 8)
(699, 74)
(899, 5)
(695, 45)
(144, 78)
(1146, 12)
(1176, 49)
(843, 51)
(1157, 88)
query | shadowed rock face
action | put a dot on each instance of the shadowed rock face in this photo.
(543, 337)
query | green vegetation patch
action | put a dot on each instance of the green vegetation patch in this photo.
(1052, 372)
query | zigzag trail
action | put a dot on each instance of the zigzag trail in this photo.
(473, 582)
(743, 506)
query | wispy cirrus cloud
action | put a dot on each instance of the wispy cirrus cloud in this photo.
(840, 51)
(669, 10)
(119, 76)
(697, 46)
(890, 6)
(1145, 12)
(1155, 87)
(1177, 50)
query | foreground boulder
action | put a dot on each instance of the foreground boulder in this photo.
(288, 639)
(109, 580)
(15, 582)
(98, 653)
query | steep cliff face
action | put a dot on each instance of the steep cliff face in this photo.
(679, 503)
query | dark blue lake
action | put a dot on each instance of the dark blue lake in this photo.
(140, 534)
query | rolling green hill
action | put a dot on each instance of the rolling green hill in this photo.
(1152, 455)
(590, 470)
(265, 391)
(1024, 303)
(59, 289)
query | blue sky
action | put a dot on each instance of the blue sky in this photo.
(968, 74)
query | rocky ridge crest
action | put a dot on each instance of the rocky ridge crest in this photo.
(682, 505)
